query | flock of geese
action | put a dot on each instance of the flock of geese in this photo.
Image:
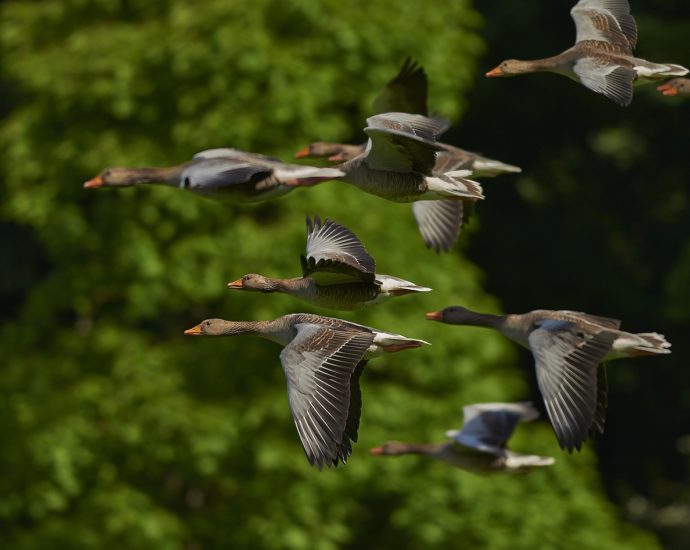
(404, 161)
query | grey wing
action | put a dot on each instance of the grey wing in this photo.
(319, 363)
(353, 414)
(334, 249)
(488, 426)
(566, 363)
(235, 154)
(452, 158)
(406, 92)
(439, 222)
(424, 127)
(602, 402)
(606, 322)
(216, 173)
(613, 81)
(401, 142)
(605, 20)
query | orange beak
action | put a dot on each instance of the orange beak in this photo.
(306, 182)
(376, 451)
(434, 316)
(95, 182)
(338, 157)
(668, 89)
(194, 331)
(302, 153)
(237, 285)
(495, 72)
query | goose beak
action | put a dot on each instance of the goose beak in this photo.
(434, 315)
(667, 89)
(95, 182)
(302, 153)
(194, 331)
(306, 182)
(495, 72)
(237, 285)
(376, 451)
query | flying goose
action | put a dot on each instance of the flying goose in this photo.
(407, 93)
(677, 86)
(323, 359)
(602, 57)
(439, 222)
(398, 165)
(228, 175)
(568, 348)
(337, 273)
(450, 158)
(480, 446)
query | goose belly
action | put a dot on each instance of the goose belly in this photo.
(343, 297)
(394, 186)
(241, 193)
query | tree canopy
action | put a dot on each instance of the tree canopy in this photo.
(118, 430)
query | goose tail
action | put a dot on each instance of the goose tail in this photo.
(398, 287)
(488, 168)
(650, 343)
(455, 184)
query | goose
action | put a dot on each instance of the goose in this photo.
(337, 273)
(407, 93)
(569, 348)
(398, 165)
(602, 57)
(448, 159)
(480, 446)
(334, 152)
(323, 358)
(677, 86)
(228, 175)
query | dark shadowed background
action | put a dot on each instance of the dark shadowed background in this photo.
(118, 430)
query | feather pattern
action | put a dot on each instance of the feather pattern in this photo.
(566, 363)
(605, 20)
(439, 222)
(335, 249)
(319, 364)
(487, 427)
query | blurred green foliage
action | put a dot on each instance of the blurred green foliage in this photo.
(119, 431)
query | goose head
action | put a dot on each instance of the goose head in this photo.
(677, 86)
(392, 448)
(457, 315)
(113, 177)
(318, 149)
(511, 67)
(209, 327)
(254, 282)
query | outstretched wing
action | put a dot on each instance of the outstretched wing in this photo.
(207, 174)
(439, 222)
(319, 364)
(613, 81)
(335, 254)
(605, 20)
(488, 426)
(401, 142)
(406, 93)
(566, 363)
(353, 414)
